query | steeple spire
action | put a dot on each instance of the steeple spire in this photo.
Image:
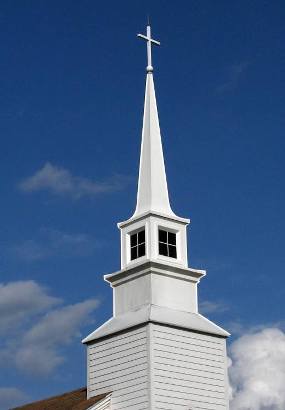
(152, 186)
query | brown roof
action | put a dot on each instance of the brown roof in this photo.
(73, 400)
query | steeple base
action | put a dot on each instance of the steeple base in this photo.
(154, 366)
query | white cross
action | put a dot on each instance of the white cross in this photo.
(150, 41)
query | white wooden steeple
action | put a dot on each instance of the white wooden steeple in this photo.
(153, 212)
(157, 351)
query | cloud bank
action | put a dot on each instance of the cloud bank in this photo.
(40, 350)
(21, 301)
(257, 371)
(59, 181)
(36, 326)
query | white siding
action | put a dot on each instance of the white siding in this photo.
(157, 367)
(119, 364)
(188, 370)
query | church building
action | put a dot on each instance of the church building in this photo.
(157, 352)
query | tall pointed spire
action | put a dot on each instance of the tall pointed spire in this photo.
(152, 186)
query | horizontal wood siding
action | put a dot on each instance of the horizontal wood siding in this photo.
(188, 370)
(119, 364)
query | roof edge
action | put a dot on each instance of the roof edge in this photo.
(156, 314)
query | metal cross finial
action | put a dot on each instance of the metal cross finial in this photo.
(150, 41)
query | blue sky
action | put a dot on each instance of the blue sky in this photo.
(72, 80)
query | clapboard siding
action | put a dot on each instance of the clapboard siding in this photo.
(119, 364)
(157, 367)
(188, 370)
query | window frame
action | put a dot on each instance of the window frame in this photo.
(167, 243)
(138, 244)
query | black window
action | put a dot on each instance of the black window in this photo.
(137, 244)
(167, 243)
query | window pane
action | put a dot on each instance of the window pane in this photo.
(172, 251)
(134, 239)
(141, 250)
(162, 236)
(134, 253)
(163, 249)
(171, 238)
(141, 237)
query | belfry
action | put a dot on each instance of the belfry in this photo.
(156, 352)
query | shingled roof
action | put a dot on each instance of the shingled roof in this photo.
(74, 400)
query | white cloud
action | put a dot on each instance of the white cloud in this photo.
(36, 360)
(35, 343)
(60, 325)
(51, 242)
(207, 306)
(11, 397)
(39, 352)
(60, 181)
(21, 300)
(257, 372)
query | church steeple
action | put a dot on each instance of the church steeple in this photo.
(154, 232)
(157, 351)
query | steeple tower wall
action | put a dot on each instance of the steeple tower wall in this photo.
(119, 364)
(155, 367)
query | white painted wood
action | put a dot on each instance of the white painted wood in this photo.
(158, 367)
(167, 291)
(152, 185)
(188, 370)
(158, 314)
(156, 289)
(119, 364)
(151, 222)
(153, 283)
(153, 209)
(104, 404)
(132, 294)
(150, 367)
(157, 352)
